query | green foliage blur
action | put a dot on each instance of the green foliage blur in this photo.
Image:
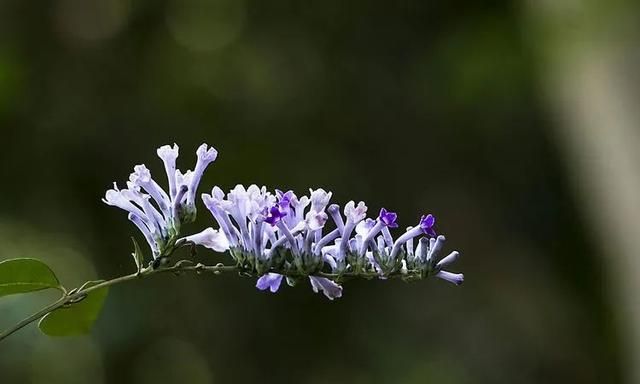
(415, 106)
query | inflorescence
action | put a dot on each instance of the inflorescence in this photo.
(277, 236)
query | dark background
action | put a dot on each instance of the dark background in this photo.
(416, 106)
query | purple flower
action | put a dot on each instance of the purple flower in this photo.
(426, 224)
(330, 289)
(284, 198)
(424, 227)
(269, 281)
(275, 215)
(388, 218)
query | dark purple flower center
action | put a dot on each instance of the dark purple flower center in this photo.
(426, 224)
(388, 218)
(275, 215)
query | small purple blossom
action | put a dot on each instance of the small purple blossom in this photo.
(269, 281)
(284, 198)
(275, 215)
(426, 224)
(388, 218)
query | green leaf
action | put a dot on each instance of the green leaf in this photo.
(137, 254)
(25, 275)
(77, 318)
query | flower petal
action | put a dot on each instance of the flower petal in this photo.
(330, 289)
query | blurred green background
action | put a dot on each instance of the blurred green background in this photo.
(450, 107)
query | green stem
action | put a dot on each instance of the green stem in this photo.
(34, 317)
(69, 298)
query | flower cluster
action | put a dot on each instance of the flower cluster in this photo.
(156, 213)
(279, 235)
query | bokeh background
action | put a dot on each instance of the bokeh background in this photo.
(516, 123)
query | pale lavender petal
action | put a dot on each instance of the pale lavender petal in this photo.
(388, 239)
(355, 213)
(422, 251)
(115, 198)
(409, 245)
(206, 156)
(141, 177)
(334, 211)
(319, 199)
(146, 231)
(365, 226)
(210, 238)
(269, 281)
(454, 278)
(330, 289)
(448, 260)
(329, 237)
(169, 155)
(315, 220)
(435, 247)
(410, 234)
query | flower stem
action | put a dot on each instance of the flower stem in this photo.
(34, 317)
(70, 297)
(74, 295)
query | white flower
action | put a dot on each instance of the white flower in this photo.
(141, 178)
(364, 227)
(355, 213)
(115, 198)
(183, 179)
(169, 155)
(240, 204)
(161, 221)
(210, 238)
(260, 201)
(299, 205)
(319, 199)
(206, 156)
(254, 191)
(315, 220)
(217, 193)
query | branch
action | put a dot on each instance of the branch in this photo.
(68, 298)
(75, 295)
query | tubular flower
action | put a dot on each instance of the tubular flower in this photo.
(276, 236)
(158, 214)
(273, 235)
